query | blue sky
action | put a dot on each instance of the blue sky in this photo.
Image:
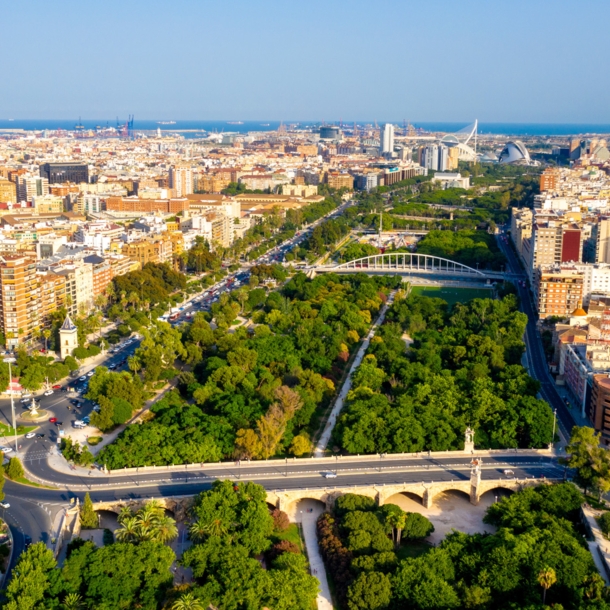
(434, 60)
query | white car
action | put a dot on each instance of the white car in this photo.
(330, 475)
(30, 435)
(83, 378)
(79, 424)
(508, 472)
(6, 449)
(90, 374)
(49, 392)
(4, 505)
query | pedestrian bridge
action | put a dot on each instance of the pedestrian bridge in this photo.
(409, 263)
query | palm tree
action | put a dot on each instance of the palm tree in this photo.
(546, 579)
(198, 531)
(130, 530)
(134, 364)
(46, 333)
(72, 601)
(125, 513)
(165, 530)
(187, 601)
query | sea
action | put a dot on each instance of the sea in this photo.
(194, 128)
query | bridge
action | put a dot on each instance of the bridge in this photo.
(408, 263)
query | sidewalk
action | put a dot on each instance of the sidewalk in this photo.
(316, 564)
(599, 546)
(347, 386)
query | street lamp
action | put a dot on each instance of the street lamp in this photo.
(9, 360)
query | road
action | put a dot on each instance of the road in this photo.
(538, 363)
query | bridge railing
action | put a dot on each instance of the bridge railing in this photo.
(373, 460)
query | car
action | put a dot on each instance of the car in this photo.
(26, 395)
(83, 378)
(58, 423)
(112, 367)
(90, 374)
(6, 449)
(53, 420)
(86, 419)
(49, 393)
(40, 435)
(330, 475)
(56, 387)
(79, 423)
(25, 401)
(508, 472)
(4, 505)
(30, 435)
(97, 408)
(64, 389)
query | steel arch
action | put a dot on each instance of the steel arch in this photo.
(408, 261)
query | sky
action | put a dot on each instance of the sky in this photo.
(386, 60)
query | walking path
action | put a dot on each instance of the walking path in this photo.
(599, 546)
(308, 522)
(347, 386)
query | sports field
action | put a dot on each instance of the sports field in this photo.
(452, 295)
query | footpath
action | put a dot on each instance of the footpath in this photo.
(347, 385)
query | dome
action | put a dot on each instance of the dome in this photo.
(514, 152)
(579, 312)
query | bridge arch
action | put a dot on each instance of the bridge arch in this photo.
(409, 262)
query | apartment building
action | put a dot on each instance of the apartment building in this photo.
(338, 180)
(8, 191)
(559, 290)
(599, 406)
(181, 180)
(78, 276)
(155, 249)
(20, 303)
(582, 362)
(48, 204)
(29, 187)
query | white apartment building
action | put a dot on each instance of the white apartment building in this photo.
(181, 180)
(29, 187)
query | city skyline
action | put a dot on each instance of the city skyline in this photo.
(255, 61)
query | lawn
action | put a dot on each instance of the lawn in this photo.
(452, 295)
(8, 430)
(413, 548)
(292, 534)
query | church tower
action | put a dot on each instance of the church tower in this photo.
(68, 338)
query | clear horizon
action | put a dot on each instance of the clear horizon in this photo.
(515, 63)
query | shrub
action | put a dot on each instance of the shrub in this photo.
(604, 523)
(280, 520)
(14, 469)
(108, 537)
(283, 546)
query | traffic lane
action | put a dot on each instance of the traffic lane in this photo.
(198, 484)
(25, 518)
(41, 469)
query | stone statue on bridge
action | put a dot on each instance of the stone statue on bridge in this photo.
(469, 440)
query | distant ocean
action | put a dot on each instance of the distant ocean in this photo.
(190, 128)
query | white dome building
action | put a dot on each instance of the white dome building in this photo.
(515, 152)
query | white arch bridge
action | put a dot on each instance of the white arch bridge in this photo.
(411, 263)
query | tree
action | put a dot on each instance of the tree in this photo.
(88, 516)
(72, 601)
(187, 601)
(300, 445)
(370, 591)
(546, 579)
(590, 461)
(14, 470)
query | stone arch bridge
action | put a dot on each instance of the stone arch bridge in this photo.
(286, 499)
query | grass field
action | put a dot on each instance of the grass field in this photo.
(452, 295)
(292, 534)
(9, 431)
